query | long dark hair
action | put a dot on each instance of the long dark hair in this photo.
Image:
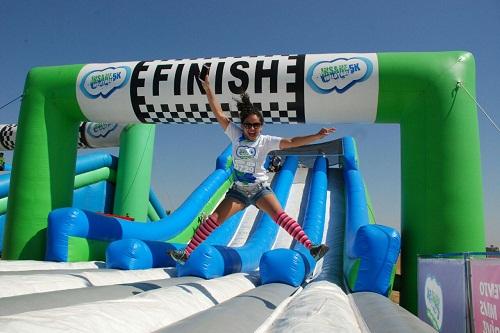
(246, 108)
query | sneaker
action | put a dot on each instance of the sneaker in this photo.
(202, 217)
(318, 251)
(178, 255)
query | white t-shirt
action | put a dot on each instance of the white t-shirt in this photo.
(249, 156)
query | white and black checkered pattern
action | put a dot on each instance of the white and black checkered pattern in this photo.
(82, 141)
(8, 136)
(179, 115)
(285, 106)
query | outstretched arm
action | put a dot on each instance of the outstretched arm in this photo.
(304, 140)
(214, 104)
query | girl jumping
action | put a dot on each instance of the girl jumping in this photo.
(249, 152)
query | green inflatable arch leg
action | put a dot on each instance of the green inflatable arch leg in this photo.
(44, 159)
(134, 171)
(440, 160)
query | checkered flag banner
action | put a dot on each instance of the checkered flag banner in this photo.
(278, 106)
(8, 136)
(90, 135)
(288, 89)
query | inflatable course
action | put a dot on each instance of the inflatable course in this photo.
(94, 189)
(248, 269)
(95, 174)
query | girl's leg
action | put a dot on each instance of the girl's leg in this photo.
(270, 204)
(227, 208)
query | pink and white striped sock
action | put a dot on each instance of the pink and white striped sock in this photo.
(293, 228)
(203, 231)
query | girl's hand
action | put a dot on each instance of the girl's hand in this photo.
(205, 83)
(325, 131)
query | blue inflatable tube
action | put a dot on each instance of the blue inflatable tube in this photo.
(85, 163)
(89, 162)
(350, 158)
(139, 254)
(97, 197)
(370, 250)
(214, 261)
(4, 185)
(357, 207)
(224, 159)
(293, 266)
(74, 222)
(157, 206)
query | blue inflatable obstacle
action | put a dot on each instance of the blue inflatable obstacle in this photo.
(212, 258)
(214, 261)
(89, 197)
(94, 188)
(133, 253)
(370, 250)
(292, 266)
(71, 226)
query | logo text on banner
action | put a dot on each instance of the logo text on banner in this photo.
(100, 130)
(339, 74)
(104, 82)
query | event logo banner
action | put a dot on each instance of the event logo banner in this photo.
(339, 74)
(433, 295)
(103, 82)
(485, 289)
(97, 135)
(100, 130)
(291, 89)
(442, 294)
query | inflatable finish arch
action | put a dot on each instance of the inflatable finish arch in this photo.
(441, 181)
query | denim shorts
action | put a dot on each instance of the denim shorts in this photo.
(249, 195)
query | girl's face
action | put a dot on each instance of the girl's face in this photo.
(251, 127)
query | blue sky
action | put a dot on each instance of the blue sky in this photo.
(56, 32)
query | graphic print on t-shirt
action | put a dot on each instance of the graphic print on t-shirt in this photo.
(245, 164)
(249, 156)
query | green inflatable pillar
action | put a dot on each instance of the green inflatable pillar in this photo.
(442, 199)
(133, 180)
(44, 159)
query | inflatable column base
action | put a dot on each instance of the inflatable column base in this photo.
(286, 266)
(132, 254)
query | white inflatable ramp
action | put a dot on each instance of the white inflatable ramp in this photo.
(55, 271)
(382, 315)
(14, 285)
(243, 313)
(32, 265)
(61, 298)
(145, 312)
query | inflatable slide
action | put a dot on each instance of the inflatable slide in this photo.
(248, 276)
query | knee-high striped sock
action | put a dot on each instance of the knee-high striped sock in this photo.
(203, 231)
(293, 228)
